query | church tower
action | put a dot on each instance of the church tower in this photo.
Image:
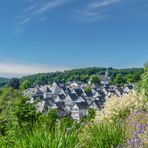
(105, 80)
(106, 73)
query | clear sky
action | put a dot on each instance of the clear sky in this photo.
(49, 35)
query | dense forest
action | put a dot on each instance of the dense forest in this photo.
(118, 76)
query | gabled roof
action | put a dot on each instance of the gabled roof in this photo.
(41, 106)
(47, 89)
(37, 86)
(32, 91)
(106, 86)
(73, 96)
(81, 99)
(89, 94)
(78, 91)
(38, 92)
(120, 90)
(99, 102)
(37, 97)
(61, 96)
(82, 105)
(68, 90)
(60, 104)
(95, 85)
(129, 86)
(50, 102)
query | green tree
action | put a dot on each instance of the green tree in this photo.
(25, 113)
(87, 89)
(146, 66)
(143, 85)
(129, 78)
(14, 83)
(119, 79)
(25, 84)
(95, 79)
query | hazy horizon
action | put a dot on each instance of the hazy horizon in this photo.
(20, 75)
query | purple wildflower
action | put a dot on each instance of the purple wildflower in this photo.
(135, 133)
(139, 142)
(132, 124)
(139, 126)
(134, 113)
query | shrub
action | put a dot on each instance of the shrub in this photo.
(121, 107)
(142, 86)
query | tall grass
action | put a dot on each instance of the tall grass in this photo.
(40, 138)
(106, 135)
(102, 135)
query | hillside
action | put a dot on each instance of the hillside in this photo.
(116, 75)
(3, 81)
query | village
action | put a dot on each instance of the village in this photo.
(73, 100)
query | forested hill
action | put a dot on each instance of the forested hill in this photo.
(120, 76)
(3, 81)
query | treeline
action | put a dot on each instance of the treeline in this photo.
(118, 76)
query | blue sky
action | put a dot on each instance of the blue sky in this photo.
(49, 35)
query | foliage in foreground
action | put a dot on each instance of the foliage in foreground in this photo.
(41, 138)
(120, 107)
(104, 135)
(143, 85)
(137, 130)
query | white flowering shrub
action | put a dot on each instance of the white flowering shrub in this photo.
(120, 107)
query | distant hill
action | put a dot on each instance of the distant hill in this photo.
(83, 75)
(4, 82)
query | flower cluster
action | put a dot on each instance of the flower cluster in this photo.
(120, 107)
(137, 129)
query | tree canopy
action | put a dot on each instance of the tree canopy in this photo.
(84, 75)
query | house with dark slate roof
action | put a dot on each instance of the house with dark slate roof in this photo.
(78, 91)
(98, 103)
(61, 109)
(128, 87)
(71, 100)
(79, 110)
(42, 106)
(60, 98)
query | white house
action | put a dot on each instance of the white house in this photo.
(79, 110)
